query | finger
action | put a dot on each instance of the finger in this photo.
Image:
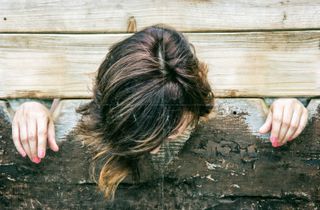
(24, 137)
(276, 124)
(302, 124)
(42, 129)
(293, 125)
(16, 138)
(51, 137)
(32, 139)
(286, 121)
(266, 127)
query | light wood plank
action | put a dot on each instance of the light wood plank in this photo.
(251, 64)
(113, 16)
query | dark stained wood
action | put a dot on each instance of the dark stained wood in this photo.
(224, 165)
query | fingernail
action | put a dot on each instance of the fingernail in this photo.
(290, 139)
(57, 149)
(23, 154)
(41, 154)
(36, 160)
(274, 141)
(275, 144)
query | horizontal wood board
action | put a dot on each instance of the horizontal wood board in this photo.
(224, 164)
(85, 16)
(250, 64)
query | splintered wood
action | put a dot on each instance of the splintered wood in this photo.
(225, 161)
(254, 49)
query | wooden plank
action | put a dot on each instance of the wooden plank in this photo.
(313, 108)
(65, 117)
(112, 16)
(14, 104)
(237, 162)
(255, 64)
(5, 109)
(223, 165)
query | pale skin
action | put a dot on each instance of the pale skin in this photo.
(33, 127)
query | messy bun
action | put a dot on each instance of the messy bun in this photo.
(149, 85)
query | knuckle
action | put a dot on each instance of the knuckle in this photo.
(43, 133)
(42, 115)
(294, 101)
(32, 137)
(277, 120)
(285, 124)
(298, 106)
(24, 139)
(294, 126)
(27, 114)
(18, 118)
(31, 104)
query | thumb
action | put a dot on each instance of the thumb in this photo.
(266, 127)
(51, 137)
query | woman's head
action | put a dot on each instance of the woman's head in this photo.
(149, 87)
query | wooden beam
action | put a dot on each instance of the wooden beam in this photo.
(253, 64)
(85, 16)
(223, 164)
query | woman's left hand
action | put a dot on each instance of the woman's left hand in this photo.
(286, 120)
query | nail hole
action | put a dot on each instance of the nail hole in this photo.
(234, 112)
(4, 18)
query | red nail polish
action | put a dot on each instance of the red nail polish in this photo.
(41, 154)
(275, 144)
(274, 141)
(36, 160)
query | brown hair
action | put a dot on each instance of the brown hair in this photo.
(147, 87)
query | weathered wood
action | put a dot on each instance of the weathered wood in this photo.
(112, 16)
(14, 104)
(240, 64)
(269, 101)
(65, 117)
(224, 165)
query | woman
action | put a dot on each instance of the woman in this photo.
(149, 89)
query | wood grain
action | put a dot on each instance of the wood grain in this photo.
(223, 165)
(251, 64)
(85, 16)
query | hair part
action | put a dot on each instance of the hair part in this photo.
(146, 89)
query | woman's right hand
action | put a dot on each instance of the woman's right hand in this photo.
(32, 127)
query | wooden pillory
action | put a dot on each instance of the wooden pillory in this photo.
(256, 51)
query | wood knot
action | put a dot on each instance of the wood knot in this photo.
(132, 25)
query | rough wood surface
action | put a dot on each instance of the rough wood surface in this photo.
(240, 64)
(193, 15)
(224, 165)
